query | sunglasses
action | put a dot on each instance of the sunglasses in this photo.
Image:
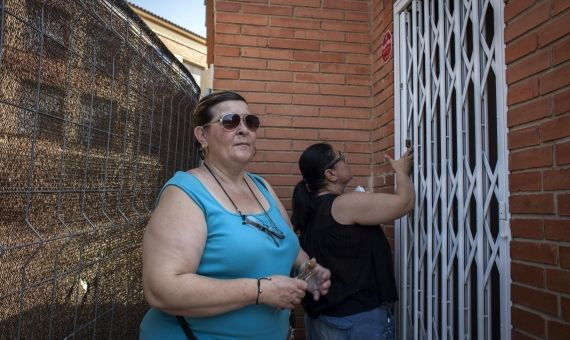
(339, 157)
(230, 121)
(272, 231)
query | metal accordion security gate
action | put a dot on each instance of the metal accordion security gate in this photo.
(453, 251)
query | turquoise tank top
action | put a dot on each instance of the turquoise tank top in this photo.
(232, 250)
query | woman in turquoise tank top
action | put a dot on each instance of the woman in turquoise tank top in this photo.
(219, 249)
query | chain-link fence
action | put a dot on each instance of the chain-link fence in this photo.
(95, 117)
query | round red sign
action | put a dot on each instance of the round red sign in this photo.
(387, 46)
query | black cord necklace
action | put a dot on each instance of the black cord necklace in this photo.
(243, 217)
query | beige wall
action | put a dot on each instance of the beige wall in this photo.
(189, 48)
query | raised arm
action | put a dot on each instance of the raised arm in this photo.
(173, 244)
(377, 208)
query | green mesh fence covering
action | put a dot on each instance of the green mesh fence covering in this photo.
(95, 117)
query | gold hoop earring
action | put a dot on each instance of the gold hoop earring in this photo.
(203, 152)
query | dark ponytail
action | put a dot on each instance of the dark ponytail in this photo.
(302, 207)
(312, 164)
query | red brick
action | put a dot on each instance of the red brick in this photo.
(358, 59)
(228, 28)
(357, 37)
(558, 280)
(296, 23)
(512, 8)
(294, 110)
(522, 91)
(292, 66)
(350, 69)
(534, 298)
(277, 133)
(554, 29)
(278, 145)
(292, 88)
(528, 322)
(524, 137)
(347, 5)
(344, 90)
(267, 10)
(561, 102)
(358, 147)
(561, 52)
(357, 124)
(224, 73)
(564, 256)
(266, 75)
(345, 47)
(343, 112)
(348, 136)
(529, 111)
(241, 63)
(242, 19)
(275, 121)
(272, 168)
(528, 66)
(294, 44)
(532, 204)
(358, 102)
(353, 16)
(558, 6)
(344, 27)
(239, 85)
(527, 20)
(268, 31)
(267, 98)
(555, 79)
(283, 179)
(526, 181)
(520, 47)
(557, 330)
(318, 100)
(223, 6)
(318, 13)
(266, 53)
(534, 252)
(516, 335)
(306, 3)
(533, 158)
(319, 78)
(319, 57)
(563, 204)
(562, 152)
(557, 230)
(232, 39)
(529, 275)
(565, 304)
(319, 123)
(358, 80)
(320, 35)
(555, 129)
(226, 51)
(557, 179)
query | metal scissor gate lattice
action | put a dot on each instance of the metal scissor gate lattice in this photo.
(452, 252)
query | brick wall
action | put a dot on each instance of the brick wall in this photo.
(538, 99)
(304, 67)
(382, 112)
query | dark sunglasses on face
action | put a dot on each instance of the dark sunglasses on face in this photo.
(339, 157)
(230, 121)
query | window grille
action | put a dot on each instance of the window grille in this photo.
(453, 250)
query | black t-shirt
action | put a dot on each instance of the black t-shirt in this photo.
(359, 258)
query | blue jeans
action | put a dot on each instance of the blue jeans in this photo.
(375, 324)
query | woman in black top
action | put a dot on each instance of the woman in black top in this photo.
(342, 230)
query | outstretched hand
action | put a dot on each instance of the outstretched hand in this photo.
(403, 164)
